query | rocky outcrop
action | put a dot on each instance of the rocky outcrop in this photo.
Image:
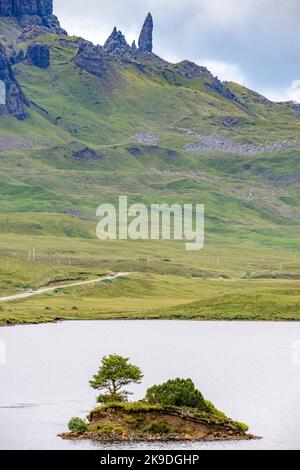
(26, 7)
(92, 59)
(146, 36)
(221, 88)
(192, 71)
(38, 55)
(32, 14)
(219, 144)
(13, 100)
(87, 154)
(295, 106)
(116, 43)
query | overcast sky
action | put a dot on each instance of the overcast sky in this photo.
(253, 42)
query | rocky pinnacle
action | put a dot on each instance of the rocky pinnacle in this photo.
(116, 43)
(146, 36)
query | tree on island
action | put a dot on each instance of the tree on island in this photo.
(114, 374)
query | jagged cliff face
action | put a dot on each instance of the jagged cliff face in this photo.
(26, 7)
(116, 42)
(38, 55)
(13, 100)
(32, 14)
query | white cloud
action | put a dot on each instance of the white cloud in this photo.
(295, 90)
(225, 71)
(291, 93)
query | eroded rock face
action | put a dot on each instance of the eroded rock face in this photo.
(116, 42)
(13, 99)
(146, 36)
(38, 55)
(222, 89)
(26, 7)
(92, 59)
(32, 13)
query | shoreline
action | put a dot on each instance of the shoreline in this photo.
(93, 437)
(132, 319)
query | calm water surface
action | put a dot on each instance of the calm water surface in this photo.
(246, 369)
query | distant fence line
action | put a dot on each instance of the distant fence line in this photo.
(214, 262)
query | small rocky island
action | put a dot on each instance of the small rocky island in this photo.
(173, 411)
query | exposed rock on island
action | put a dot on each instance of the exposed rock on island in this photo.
(139, 422)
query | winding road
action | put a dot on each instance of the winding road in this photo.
(52, 289)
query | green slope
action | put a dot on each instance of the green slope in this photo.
(52, 186)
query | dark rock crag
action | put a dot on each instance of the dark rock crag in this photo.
(116, 43)
(92, 59)
(14, 99)
(32, 13)
(26, 7)
(146, 36)
(38, 55)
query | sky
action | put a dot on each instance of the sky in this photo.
(253, 42)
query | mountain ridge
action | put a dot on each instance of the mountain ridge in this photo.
(115, 113)
(116, 119)
(93, 58)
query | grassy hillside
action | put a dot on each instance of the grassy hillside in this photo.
(78, 149)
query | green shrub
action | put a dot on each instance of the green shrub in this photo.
(213, 410)
(133, 420)
(242, 426)
(77, 425)
(110, 429)
(179, 393)
(160, 428)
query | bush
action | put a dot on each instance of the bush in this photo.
(161, 428)
(110, 430)
(179, 393)
(77, 425)
(242, 426)
(133, 420)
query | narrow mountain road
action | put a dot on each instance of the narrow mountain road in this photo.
(25, 295)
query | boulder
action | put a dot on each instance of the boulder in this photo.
(38, 55)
